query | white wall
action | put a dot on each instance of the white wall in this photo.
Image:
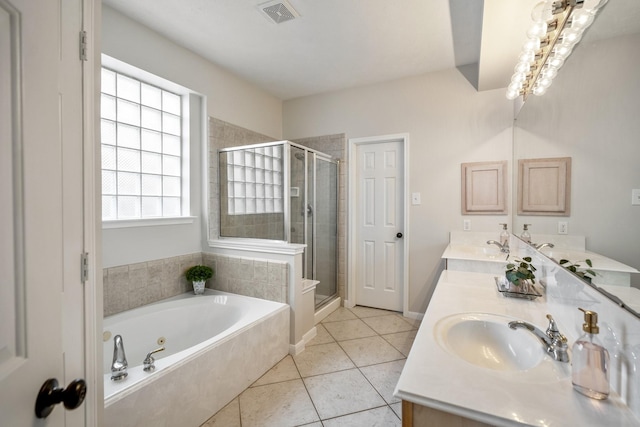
(590, 113)
(223, 95)
(448, 122)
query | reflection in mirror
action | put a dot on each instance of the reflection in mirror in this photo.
(591, 115)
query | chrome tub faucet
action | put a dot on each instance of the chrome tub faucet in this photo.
(553, 341)
(149, 361)
(119, 364)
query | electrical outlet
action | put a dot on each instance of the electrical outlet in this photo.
(466, 225)
(415, 198)
(563, 227)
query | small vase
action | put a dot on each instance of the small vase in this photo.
(198, 287)
(522, 288)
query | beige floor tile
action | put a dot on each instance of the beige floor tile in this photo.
(384, 378)
(278, 405)
(285, 370)
(342, 393)
(349, 330)
(370, 350)
(390, 324)
(229, 416)
(322, 336)
(363, 312)
(378, 417)
(397, 408)
(413, 322)
(322, 359)
(339, 314)
(401, 341)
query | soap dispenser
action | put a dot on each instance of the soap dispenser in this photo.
(590, 366)
(504, 236)
(525, 233)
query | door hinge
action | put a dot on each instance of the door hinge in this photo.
(83, 45)
(84, 267)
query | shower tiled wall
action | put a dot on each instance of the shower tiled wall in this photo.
(225, 135)
(130, 286)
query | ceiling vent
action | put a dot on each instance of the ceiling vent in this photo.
(279, 11)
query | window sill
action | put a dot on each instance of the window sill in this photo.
(147, 222)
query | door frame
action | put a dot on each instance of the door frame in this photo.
(92, 191)
(352, 148)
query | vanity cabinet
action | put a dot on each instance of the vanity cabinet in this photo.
(414, 415)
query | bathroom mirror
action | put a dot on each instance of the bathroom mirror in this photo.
(590, 113)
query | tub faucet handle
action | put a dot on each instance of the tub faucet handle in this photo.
(119, 364)
(149, 360)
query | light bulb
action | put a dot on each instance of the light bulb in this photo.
(580, 19)
(531, 45)
(593, 5)
(527, 56)
(538, 29)
(542, 12)
(518, 77)
(512, 94)
(539, 90)
(570, 37)
(555, 61)
(522, 67)
(562, 51)
(549, 72)
(543, 81)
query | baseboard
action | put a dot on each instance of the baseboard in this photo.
(326, 310)
(414, 315)
(297, 348)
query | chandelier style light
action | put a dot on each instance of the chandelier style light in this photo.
(557, 27)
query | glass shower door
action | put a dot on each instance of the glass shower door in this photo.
(326, 229)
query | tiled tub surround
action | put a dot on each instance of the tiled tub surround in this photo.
(130, 286)
(200, 380)
(431, 373)
(251, 277)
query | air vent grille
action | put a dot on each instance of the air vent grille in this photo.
(279, 11)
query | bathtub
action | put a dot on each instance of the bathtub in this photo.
(216, 345)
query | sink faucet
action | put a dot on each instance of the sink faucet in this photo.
(503, 248)
(119, 364)
(544, 245)
(554, 342)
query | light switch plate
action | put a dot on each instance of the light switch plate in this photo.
(635, 196)
(466, 225)
(415, 198)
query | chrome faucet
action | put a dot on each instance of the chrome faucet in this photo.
(148, 363)
(119, 364)
(503, 248)
(553, 341)
(544, 245)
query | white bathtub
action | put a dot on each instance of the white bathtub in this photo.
(216, 345)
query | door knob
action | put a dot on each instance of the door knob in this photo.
(50, 395)
(399, 235)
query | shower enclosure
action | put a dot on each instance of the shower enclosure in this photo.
(287, 192)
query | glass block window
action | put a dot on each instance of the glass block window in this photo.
(141, 131)
(254, 180)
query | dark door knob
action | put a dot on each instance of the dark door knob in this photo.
(50, 395)
(399, 235)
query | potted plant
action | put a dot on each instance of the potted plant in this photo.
(198, 275)
(584, 273)
(520, 274)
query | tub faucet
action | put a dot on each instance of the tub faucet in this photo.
(503, 248)
(544, 245)
(553, 341)
(149, 360)
(119, 364)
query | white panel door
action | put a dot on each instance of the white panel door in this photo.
(41, 223)
(380, 215)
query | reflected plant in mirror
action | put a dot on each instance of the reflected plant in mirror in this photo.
(585, 273)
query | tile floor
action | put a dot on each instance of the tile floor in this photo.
(345, 377)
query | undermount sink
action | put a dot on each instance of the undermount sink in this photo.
(486, 340)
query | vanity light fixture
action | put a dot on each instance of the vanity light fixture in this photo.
(557, 27)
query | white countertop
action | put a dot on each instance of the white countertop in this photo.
(435, 378)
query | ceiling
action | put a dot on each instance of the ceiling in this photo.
(338, 44)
